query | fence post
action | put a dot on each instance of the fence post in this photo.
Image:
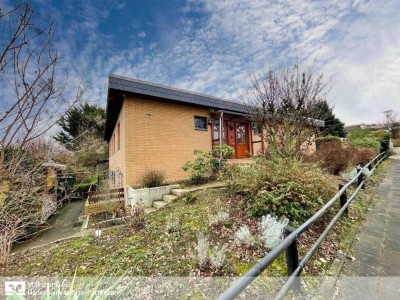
(292, 259)
(361, 177)
(343, 199)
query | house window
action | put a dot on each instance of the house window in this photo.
(257, 130)
(200, 123)
(216, 133)
(118, 137)
(241, 134)
(111, 176)
(113, 144)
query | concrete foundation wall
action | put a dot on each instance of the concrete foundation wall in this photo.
(147, 195)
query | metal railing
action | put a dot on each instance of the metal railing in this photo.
(289, 244)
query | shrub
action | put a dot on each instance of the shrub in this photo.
(271, 230)
(367, 142)
(280, 187)
(244, 236)
(357, 133)
(363, 138)
(206, 163)
(396, 132)
(220, 218)
(202, 248)
(396, 142)
(190, 198)
(364, 156)
(333, 157)
(152, 178)
(203, 166)
(384, 139)
(326, 139)
(218, 258)
(136, 220)
(227, 151)
(173, 225)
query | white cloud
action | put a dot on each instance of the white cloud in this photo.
(141, 34)
(354, 43)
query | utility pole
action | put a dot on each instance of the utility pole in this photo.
(388, 114)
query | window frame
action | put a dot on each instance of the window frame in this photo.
(201, 128)
(113, 144)
(118, 136)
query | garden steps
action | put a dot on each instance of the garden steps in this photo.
(169, 198)
(160, 203)
(177, 192)
(213, 185)
(149, 210)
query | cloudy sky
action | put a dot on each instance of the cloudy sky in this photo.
(212, 46)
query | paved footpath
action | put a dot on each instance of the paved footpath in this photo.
(62, 225)
(375, 271)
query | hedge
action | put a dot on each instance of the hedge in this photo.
(378, 140)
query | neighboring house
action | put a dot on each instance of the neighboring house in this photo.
(150, 126)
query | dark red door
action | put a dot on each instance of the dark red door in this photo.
(242, 140)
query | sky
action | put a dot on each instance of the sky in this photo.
(213, 47)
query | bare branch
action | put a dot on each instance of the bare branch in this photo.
(283, 104)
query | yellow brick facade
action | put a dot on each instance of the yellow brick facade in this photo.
(117, 155)
(157, 135)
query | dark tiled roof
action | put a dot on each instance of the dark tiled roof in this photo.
(155, 90)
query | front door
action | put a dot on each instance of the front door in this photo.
(242, 140)
(236, 135)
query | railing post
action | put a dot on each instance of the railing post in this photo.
(343, 199)
(361, 177)
(292, 259)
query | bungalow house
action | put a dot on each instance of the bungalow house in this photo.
(150, 126)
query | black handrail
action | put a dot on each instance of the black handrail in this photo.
(238, 286)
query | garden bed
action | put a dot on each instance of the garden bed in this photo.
(157, 251)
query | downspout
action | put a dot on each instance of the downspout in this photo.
(221, 118)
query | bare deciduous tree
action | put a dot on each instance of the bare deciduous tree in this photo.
(24, 202)
(283, 104)
(31, 90)
(31, 96)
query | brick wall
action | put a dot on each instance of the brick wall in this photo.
(161, 135)
(158, 135)
(117, 155)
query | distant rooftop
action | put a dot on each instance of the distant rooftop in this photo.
(364, 126)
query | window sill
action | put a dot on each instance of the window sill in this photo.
(201, 129)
